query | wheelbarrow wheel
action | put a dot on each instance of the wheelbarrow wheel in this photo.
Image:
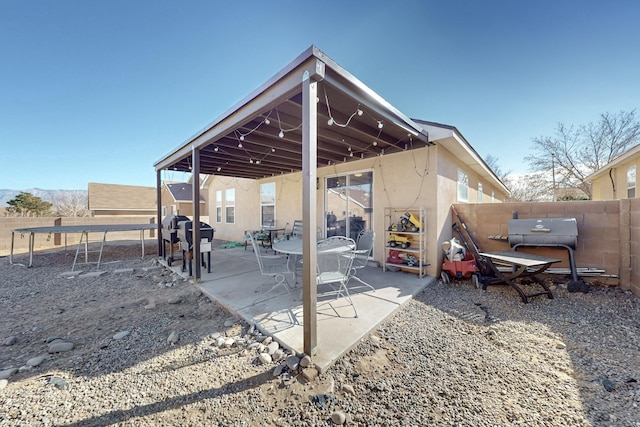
(445, 277)
(475, 281)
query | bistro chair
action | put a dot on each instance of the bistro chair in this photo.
(335, 257)
(273, 266)
(364, 246)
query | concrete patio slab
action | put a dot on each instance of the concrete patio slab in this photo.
(235, 276)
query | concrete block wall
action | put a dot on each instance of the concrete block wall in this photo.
(608, 233)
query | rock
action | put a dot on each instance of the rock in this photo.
(264, 358)
(151, 305)
(7, 373)
(253, 345)
(348, 388)
(278, 369)
(173, 337)
(278, 354)
(49, 340)
(293, 362)
(229, 342)
(310, 374)
(267, 340)
(338, 418)
(240, 341)
(10, 341)
(228, 323)
(58, 382)
(272, 347)
(24, 368)
(3, 383)
(608, 384)
(306, 362)
(220, 341)
(35, 361)
(60, 346)
(216, 335)
(120, 335)
(375, 340)
(175, 300)
(560, 345)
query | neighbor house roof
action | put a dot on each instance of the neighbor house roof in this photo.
(622, 158)
(182, 192)
(121, 197)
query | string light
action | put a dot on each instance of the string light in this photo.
(281, 134)
(380, 125)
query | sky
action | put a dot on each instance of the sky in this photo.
(98, 91)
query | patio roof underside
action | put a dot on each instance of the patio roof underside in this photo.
(262, 135)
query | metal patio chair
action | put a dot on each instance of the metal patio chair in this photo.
(334, 266)
(273, 266)
(364, 247)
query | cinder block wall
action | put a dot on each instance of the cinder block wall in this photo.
(608, 233)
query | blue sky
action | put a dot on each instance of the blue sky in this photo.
(97, 91)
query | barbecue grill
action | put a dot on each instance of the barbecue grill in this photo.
(170, 234)
(185, 236)
(547, 232)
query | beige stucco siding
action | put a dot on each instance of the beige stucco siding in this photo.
(421, 177)
(612, 185)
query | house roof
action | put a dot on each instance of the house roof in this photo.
(121, 197)
(622, 158)
(261, 136)
(451, 138)
(182, 192)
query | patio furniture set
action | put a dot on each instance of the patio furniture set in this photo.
(339, 259)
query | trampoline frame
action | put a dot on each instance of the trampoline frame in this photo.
(85, 229)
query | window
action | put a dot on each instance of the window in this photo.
(164, 211)
(480, 192)
(268, 203)
(463, 186)
(230, 205)
(219, 206)
(631, 182)
(493, 196)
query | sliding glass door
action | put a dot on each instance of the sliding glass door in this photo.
(348, 204)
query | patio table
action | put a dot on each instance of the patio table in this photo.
(521, 265)
(293, 248)
(273, 232)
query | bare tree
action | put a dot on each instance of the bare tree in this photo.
(532, 187)
(492, 162)
(71, 203)
(573, 153)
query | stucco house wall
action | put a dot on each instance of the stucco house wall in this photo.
(610, 181)
(420, 177)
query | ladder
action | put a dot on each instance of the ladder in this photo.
(85, 243)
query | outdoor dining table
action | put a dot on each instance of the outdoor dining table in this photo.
(293, 248)
(273, 232)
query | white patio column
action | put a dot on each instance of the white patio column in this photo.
(195, 186)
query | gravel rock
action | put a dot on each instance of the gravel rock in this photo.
(453, 355)
(338, 418)
(120, 335)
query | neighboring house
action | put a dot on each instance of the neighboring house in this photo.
(618, 178)
(114, 200)
(177, 199)
(362, 155)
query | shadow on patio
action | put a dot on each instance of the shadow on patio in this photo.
(235, 276)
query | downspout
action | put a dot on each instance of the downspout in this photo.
(613, 183)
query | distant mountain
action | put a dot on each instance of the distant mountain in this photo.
(46, 195)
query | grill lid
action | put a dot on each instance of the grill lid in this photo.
(543, 231)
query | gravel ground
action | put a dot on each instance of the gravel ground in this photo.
(149, 349)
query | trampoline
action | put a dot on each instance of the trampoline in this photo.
(84, 239)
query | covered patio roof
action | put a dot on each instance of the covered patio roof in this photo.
(311, 114)
(261, 136)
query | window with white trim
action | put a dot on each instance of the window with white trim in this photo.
(463, 186)
(480, 192)
(268, 203)
(631, 182)
(230, 205)
(219, 206)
